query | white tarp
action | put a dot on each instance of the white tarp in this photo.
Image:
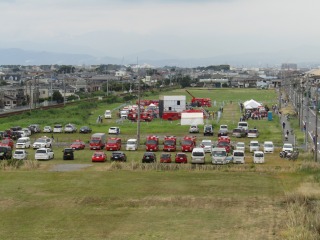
(251, 104)
(192, 118)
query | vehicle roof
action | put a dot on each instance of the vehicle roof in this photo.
(218, 149)
(254, 141)
(258, 152)
(132, 139)
(267, 142)
(206, 140)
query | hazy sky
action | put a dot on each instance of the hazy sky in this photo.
(179, 28)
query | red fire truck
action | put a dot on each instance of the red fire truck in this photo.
(152, 143)
(188, 143)
(199, 102)
(169, 143)
(171, 116)
(113, 144)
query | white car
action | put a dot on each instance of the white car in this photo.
(44, 154)
(27, 131)
(47, 129)
(254, 146)
(114, 130)
(23, 142)
(206, 145)
(194, 129)
(43, 142)
(70, 128)
(268, 147)
(287, 147)
(240, 146)
(258, 157)
(57, 128)
(107, 114)
(20, 154)
(132, 144)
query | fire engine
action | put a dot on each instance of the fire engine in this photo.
(113, 144)
(188, 143)
(171, 116)
(199, 102)
(152, 143)
(169, 143)
(144, 116)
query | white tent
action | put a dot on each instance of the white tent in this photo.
(191, 118)
(251, 104)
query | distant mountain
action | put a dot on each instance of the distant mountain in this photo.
(304, 56)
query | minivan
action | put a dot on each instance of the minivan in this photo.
(198, 155)
(132, 144)
(238, 156)
(243, 125)
(254, 146)
(23, 142)
(107, 114)
(258, 157)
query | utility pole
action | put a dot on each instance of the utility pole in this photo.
(138, 120)
(307, 116)
(316, 130)
(64, 89)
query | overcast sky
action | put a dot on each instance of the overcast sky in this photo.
(178, 28)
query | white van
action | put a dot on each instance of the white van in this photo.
(243, 125)
(238, 156)
(198, 155)
(254, 146)
(258, 157)
(218, 155)
(23, 142)
(107, 114)
(132, 144)
(268, 147)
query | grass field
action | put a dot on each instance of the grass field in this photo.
(276, 200)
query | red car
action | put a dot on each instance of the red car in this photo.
(77, 145)
(99, 157)
(165, 158)
(226, 145)
(181, 157)
(7, 142)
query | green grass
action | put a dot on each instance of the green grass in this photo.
(154, 201)
(138, 205)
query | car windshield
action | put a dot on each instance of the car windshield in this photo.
(219, 153)
(169, 142)
(98, 155)
(287, 146)
(19, 152)
(151, 141)
(57, 126)
(238, 154)
(268, 145)
(240, 145)
(76, 143)
(223, 144)
(254, 144)
(112, 141)
(41, 140)
(41, 151)
(222, 127)
(181, 155)
(21, 141)
(94, 140)
(252, 131)
(206, 143)
(242, 124)
(198, 154)
(131, 142)
(186, 142)
(67, 150)
(165, 155)
(258, 155)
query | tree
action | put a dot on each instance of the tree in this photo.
(57, 96)
(185, 81)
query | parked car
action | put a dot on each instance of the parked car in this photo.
(114, 130)
(119, 156)
(206, 144)
(238, 156)
(20, 154)
(23, 142)
(78, 145)
(254, 146)
(44, 154)
(43, 142)
(218, 155)
(268, 147)
(240, 146)
(207, 130)
(47, 129)
(287, 147)
(181, 157)
(223, 130)
(70, 128)
(193, 129)
(7, 142)
(27, 131)
(68, 154)
(132, 144)
(107, 114)
(238, 132)
(5, 152)
(34, 128)
(165, 158)
(85, 129)
(258, 157)
(99, 157)
(149, 157)
(198, 155)
(253, 133)
(57, 128)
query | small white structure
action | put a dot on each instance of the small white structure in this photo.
(192, 118)
(172, 103)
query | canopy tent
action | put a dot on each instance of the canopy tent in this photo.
(251, 104)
